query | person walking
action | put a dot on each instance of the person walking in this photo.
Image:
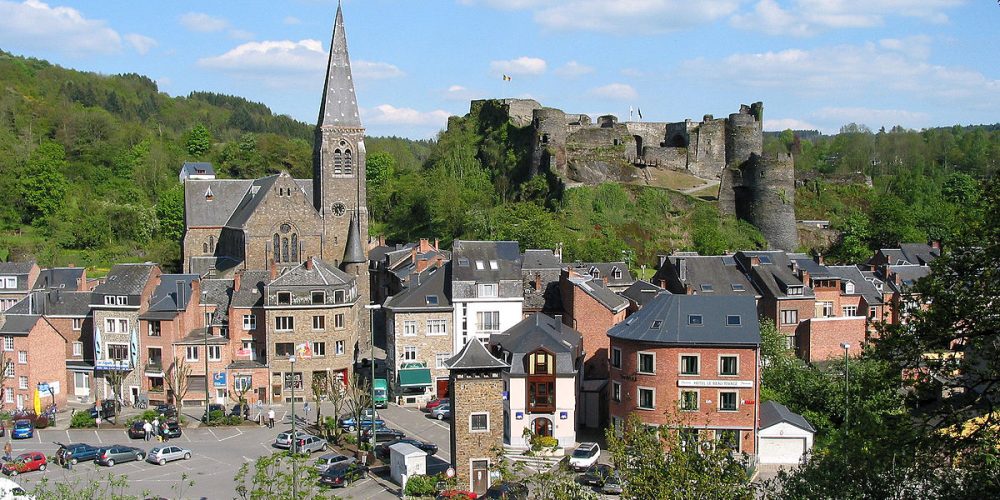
(147, 429)
(270, 419)
(305, 410)
(164, 432)
(7, 450)
(156, 429)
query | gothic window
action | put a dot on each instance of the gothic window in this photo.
(284, 249)
(204, 248)
(211, 243)
(295, 248)
(285, 228)
(348, 163)
(338, 162)
(277, 245)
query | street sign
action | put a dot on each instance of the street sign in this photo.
(219, 379)
(450, 472)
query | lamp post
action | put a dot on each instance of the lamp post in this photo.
(204, 306)
(371, 330)
(295, 483)
(847, 388)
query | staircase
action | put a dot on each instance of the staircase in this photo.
(536, 462)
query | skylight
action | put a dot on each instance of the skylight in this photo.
(694, 319)
(707, 287)
(463, 262)
(494, 265)
(656, 324)
(480, 265)
(734, 320)
(738, 287)
(432, 300)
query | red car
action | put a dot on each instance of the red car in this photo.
(434, 403)
(25, 462)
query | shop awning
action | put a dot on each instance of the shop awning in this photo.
(415, 377)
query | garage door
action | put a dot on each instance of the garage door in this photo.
(781, 450)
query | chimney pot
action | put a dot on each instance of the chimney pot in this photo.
(936, 244)
(274, 270)
(237, 281)
(309, 263)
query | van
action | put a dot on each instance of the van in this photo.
(381, 393)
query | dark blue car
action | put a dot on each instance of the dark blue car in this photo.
(23, 429)
(77, 452)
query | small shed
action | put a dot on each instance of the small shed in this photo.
(785, 436)
(406, 460)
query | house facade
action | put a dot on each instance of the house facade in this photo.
(34, 355)
(486, 289)
(16, 278)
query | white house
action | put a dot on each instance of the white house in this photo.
(785, 437)
(201, 171)
(487, 292)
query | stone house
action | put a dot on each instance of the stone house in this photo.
(690, 361)
(591, 308)
(477, 386)
(419, 336)
(540, 270)
(486, 289)
(34, 356)
(116, 305)
(174, 310)
(16, 278)
(543, 381)
(392, 268)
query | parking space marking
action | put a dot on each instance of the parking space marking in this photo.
(98, 434)
(238, 433)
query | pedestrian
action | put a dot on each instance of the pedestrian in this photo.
(305, 409)
(270, 418)
(147, 429)
(165, 432)
(156, 429)
(7, 450)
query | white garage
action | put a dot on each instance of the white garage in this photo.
(785, 437)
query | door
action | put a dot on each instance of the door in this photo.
(81, 385)
(480, 476)
(442, 388)
(135, 393)
(220, 396)
(774, 450)
(543, 427)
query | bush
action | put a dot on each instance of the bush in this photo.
(421, 486)
(82, 420)
(148, 415)
(219, 418)
(351, 438)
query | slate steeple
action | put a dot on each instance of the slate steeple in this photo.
(339, 106)
(354, 252)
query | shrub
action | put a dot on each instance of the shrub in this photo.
(82, 420)
(351, 438)
(420, 486)
(149, 415)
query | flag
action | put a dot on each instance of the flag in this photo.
(506, 78)
(303, 350)
(640, 112)
(38, 402)
(630, 110)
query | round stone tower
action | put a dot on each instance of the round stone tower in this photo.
(744, 134)
(548, 146)
(766, 199)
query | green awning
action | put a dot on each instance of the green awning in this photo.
(416, 377)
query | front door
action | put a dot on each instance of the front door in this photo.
(543, 427)
(442, 388)
(220, 396)
(480, 476)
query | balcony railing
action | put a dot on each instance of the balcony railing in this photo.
(154, 366)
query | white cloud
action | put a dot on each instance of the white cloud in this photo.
(780, 124)
(140, 43)
(615, 91)
(461, 94)
(387, 114)
(203, 23)
(289, 20)
(573, 69)
(519, 66)
(35, 25)
(374, 70)
(809, 17)
(874, 118)
(239, 34)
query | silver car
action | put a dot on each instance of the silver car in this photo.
(309, 444)
(441, 412)
(330, 459)
(163, 454)
(284, 440)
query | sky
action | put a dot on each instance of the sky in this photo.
(816, 64)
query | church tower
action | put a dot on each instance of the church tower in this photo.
(339, 152)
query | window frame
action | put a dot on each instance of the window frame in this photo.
(339, 348)
(8, 343)
(681, 399)
(639, 390)
(788, 313)
(473, 428)
(441, 325)
(851, 309)
(410, 327)
(638, 362)
(321, 320)
(320, 294)
(487, 290)
(409, 353)
(22, 357)
(77, 348)
(279, 320)
(680, 364)
(338, 321)
(616, 357)
(736, 401)
(616, 391)
(191, 349)
(249, 321)
(696, 320)
(318, 348)
(77, 324)
(731, 317)
(736, 372)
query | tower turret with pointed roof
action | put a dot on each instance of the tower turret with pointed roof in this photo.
(339, 151)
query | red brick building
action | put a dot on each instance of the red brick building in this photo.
(591, 308)
(34, 358)
(690, 361)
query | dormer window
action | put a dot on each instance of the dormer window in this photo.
(284, 298)
(617, 273)
(595, 272)
(319, 297)
(794, 290)
(848, 287)
(487, 290)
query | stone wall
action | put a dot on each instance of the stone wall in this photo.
(672, 158)
(427, 346)
(475, 395)
(303, 332)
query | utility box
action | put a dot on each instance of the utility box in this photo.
(405, 461)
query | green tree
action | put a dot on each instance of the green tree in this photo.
(170, 212)
(379, 176)
(279, 476)
(852, 246)
(43, 186)
(198, 141)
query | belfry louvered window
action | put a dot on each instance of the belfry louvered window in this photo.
(348, 163)
(338, 162)
(276, 247)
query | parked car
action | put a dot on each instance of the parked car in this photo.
(77, 452)
(596, 474)
(584, 456)
(324, 462)
(612, 484)
(383, 435)
(23, 429)
(167, 410)
(449, 494)
(339, 476)
(136, 431)
(347, 421)
(284, 439)
(309, 444)
(434, 403)
(382, 449)
(104, 409)
(442, 411)
(163, 454)
(9, 490)
(25, 462)
(173, 429)
(507, 491)
(116, 454)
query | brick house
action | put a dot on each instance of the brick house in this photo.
(172, 313)
(116, 305)
(785, 295)
(690, 273)
(908, 254)
(476, 379)
(34, 354)
(540, 271)
(419, 336)
(16, 278)
(543, 381)
(64, 278)
(690, 360)
(486, 289)
(591, 308)
(248, 333)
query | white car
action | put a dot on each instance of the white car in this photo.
(284, 440)
(9, 490)
(584, 456)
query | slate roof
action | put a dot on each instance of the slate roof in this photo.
(919, 254)
(197, 336)
(379, 253)
(220, 294)
(233, 200)
(321, 274)
(596, 289)
(718, 272)
(433, 282)
(198, 168)
(165, 297)
(59, 277)
(606, 270)
(11, 268)
(673, 312)
(468, 255)
(339, 106)
(908, 276)
(774, 274)
(67, 303)
(862, 285)
(126, 279)
(540, 331)
(474, 356)
(773, 413)
(19, 324)
(537, 260)
(641, 292)
(808, 264)
(354, 252)
(251, 292)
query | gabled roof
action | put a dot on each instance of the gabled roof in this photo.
(474, 261)
(429, 290)
(861, 284)
(126, 279)
(536, 260)
(474, 356)
(59, 277)
(53, 302)
(774, 274)
(218, 292)
(641, 292)
(251, 292)
(339, 107)
(773, 413)
(13, 268)
(198, 168)
(19, 324)
(907, 276)
(540, 331)
(321, 274)
(670, 319)
(226, 196)
(604, 270)
(808, 264)
(596, 289)
(165, 298)
(714, 274)
(918, 254)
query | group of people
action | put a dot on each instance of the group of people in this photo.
(157, 429)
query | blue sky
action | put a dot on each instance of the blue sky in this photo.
(814, 63)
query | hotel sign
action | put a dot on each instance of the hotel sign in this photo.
(740, 384)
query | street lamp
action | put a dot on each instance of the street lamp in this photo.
(204, 306)
(847, 387)
(371, 330)
(295, 476)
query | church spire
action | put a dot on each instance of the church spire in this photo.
(339, 107)
(354, 252)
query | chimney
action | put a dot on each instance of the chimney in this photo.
(660, 259)
(79, 285)
(413, 255)
(422, 264)
(538, 281)
(309, 263)
(682, 269)
(425, 245)
(818, 258)
(688, 290)
(180, 293)
(663, 284)
(437, 242)
(605, 279)
(237, 280)
(274, 270)
(71, 265)
(804, 276)
(558, 318)
(439, 260)
(936, 244)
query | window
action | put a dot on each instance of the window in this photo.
(872, 312)
(7, 304)
(284, 298)
(77, 324)
(728, 438)
(850, 310)
(689, 365)
(728, 365)
(647, 398)
(284, 349)
(78, 348)
(8, 282)
(488, 290)
(656, 324)
(338, 321)
(339, 347)
(22, 357)
(437, 327)
(849, 287)
(109, 300)
(689, 400)
(110, 325)
(617, 273)
(80, 381)
(488, 321)
(214, 353)
(733, 320)
(8, 371)
(319, 297)
(824, 309)
(789, 317)
(8, 343)
(249, 322)
(790, 342)
(291, 379)
(319, 348)
(431, 300)
(707, 288)
(118, 352)
(616, 392)
(319, 322)
(727, 400)
(409, 353)
(277, 245)
(242, 382)
(284, 323)
(154, 328)
(409, 328)
(695, 319)
(738, 287)
(440, 359)
(479, 265)
(22, 382)
(479, 422)
(123, 326)
(616, 357)
(338, 296)
(795, 290)
(647, 363)
(191, 353)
